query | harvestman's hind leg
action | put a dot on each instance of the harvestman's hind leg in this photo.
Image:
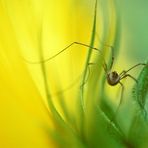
(120, 102)
(121, 97)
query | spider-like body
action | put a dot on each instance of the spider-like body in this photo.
(113, 78)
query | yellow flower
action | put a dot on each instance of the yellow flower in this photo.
(33, 112)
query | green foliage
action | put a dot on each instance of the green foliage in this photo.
(141, 91)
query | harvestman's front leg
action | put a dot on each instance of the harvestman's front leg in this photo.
(112, 52)
(128, 75)
(112, 60)
(67, 47)
(125, 71)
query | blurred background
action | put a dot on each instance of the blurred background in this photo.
(35, 30)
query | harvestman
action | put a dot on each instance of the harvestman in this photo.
(113, 78)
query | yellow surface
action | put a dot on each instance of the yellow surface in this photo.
(26, 27)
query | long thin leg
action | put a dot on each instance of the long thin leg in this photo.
(121, 98)
(73, 43)
(120, 102)
(122, 73)
(112, 52)
(125, 71)
(89, 64)
(128, 75)
(70, 86)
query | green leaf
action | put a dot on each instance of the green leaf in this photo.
(141, 90)
(89, 55)
(81, 102)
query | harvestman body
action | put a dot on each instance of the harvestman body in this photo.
(113, 78)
